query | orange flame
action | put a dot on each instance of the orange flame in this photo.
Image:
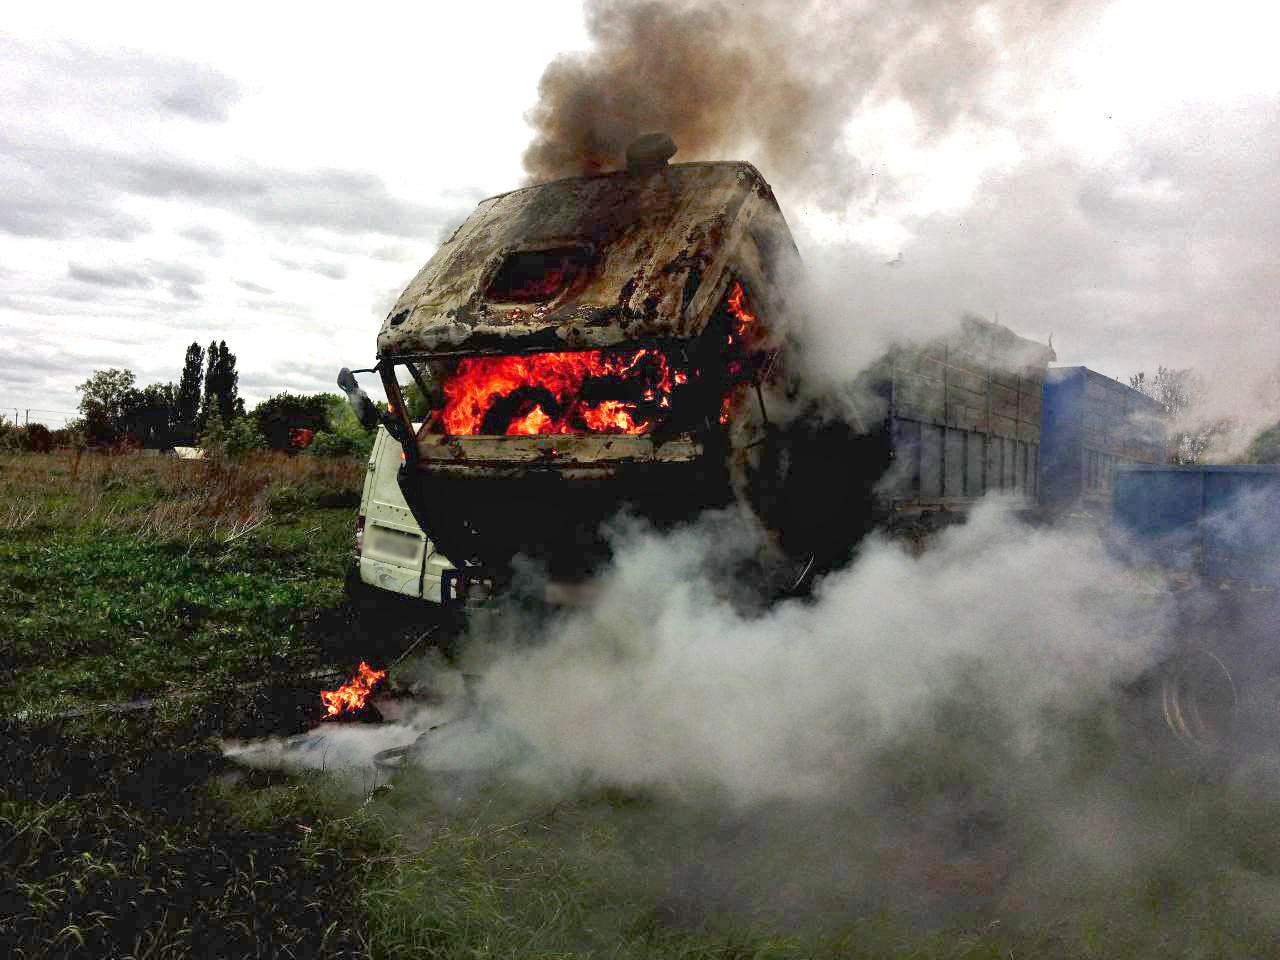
(613, 416)
(532, 423)
(351, 696)
(736, 303)
(737, 307)
(552, 383)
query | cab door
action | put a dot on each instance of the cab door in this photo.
(394, 550)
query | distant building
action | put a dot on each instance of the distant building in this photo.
(1093, 424)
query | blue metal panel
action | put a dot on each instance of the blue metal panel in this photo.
(1062, 435)
(1093, 424)
(1241, 529)
(1160, 510)
(1223, 521)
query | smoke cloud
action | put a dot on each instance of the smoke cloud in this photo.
(971, 727)
(665, 681)
(775, 81)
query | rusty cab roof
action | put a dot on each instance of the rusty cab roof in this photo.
(654, 254)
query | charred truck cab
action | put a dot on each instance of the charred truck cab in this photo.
(585, 346)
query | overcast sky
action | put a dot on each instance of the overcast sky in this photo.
(273, 175)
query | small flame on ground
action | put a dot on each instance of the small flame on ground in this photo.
(351, 696)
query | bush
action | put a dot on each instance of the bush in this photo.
(278, 417)
(327, 443)
(38, 438)
(243, 436)
(32, 438)
(235, 439)
(72, 435)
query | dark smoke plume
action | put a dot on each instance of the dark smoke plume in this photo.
(775, 81)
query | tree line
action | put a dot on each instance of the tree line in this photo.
(204, 408)
(114, 409)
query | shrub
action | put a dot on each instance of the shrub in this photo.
(239, 437)
(38, 438)
(277, 417)
(32, 438)
(327, 443)
(243, 436)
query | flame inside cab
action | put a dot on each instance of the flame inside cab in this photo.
(615, 391)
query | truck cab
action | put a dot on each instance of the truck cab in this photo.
(584, 346)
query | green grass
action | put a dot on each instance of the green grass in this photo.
(133, 578)
(130, 576)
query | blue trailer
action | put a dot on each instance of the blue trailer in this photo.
(1219, 521)
(1093, 425)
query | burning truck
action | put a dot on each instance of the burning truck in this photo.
(623, 341)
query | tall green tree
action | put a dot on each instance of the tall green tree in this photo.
(229, 403)
(105, 399)
(221, 385)
(190, 391)
(209, 400)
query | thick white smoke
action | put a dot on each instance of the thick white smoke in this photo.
(662, 682)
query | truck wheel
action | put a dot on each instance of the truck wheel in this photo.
(1199, 699)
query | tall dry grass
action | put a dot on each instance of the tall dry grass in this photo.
(163, 497)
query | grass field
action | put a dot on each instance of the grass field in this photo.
(216, 590)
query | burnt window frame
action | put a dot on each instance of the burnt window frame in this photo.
(505, 256)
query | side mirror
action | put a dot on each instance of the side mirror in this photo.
(367, 412)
